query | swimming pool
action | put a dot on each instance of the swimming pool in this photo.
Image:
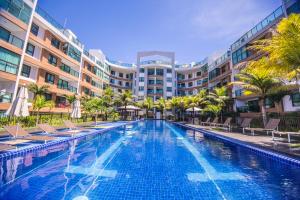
(147, 160)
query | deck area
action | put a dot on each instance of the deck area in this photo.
(280, 144)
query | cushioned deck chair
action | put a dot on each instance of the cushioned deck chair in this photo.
(226, 124)
(270, 127)
(214, 122)
(22, 136)
(6, 147)
(51, 130)
(206, 122)
(245, 124)
(71, 126)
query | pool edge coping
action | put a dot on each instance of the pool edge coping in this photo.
(21, 152)
(277, 156)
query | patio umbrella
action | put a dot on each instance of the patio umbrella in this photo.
(19, 106)
(193, 109)
(129, 107)
(76, 110)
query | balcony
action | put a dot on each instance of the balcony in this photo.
(246, 109)
(19, 9)
(261, 26)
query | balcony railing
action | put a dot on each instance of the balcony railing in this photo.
(148, 62)
(278, 13)
(8, 67)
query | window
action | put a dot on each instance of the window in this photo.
(151, 82)
(9, 61)
(87, 79)
(4, 34)
(269, 103)
(295, 99)
(151, 71)
(199, 73)
(72, 52)
(120, 83)
(127, 76)
(160, 72)
(141, 88)
(48, 96)
(141, 79)
(89, 67)
(180, 76)
(127, 84)
(199, 82)
(239, 55)
(169, 80)
(69, 70)
(49, 78)
(17, 8)
(169, 71)
(113, 73)
(142, 70)
(112, 81)
(169, 89)
(62, 84)
(34, 29)
(190, 75)
(159, 82)
(26, 71)
(55, 42)
(30, 49)
(121, 75)
(52, 60)
(190, 84)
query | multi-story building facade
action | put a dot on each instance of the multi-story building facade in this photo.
(35, 48)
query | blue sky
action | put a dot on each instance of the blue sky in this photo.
(193, 29)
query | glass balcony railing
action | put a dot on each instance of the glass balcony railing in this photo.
(57, 25)
(119, 63)
(278, 13)
(19, 9)
(149, 62)
(8, 67)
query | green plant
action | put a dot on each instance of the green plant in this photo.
(39, 103)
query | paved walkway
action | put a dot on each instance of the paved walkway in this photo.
(279, 145)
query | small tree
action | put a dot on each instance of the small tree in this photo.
(124, 99)
(38, 90)
(148, 105)
(39, 103)
(161, 106)
(173, 104)
(71, 100)
(256, 79)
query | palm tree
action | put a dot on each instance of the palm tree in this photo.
(173, 104)
(148, 105)
(39, 103)
(182, 105)
(214, 109)
(70, 99)
(38, 90)
(256, 80)
(125, 98)
(161, 105)
(219, 96)
(192, 102)
(93, 106)
(108, 95)
(284, 47)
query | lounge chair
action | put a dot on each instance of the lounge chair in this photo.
(270, 127)
(51, 130)
(245, 124)
(214, 122)
(226, 124)
(21, 136)
(71, 126)
(206, 122)
(6, 147)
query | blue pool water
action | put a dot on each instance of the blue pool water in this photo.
(147, 160)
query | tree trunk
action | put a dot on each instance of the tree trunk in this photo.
(37, 117)
(263, 112)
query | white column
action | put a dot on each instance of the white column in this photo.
(24, 51)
